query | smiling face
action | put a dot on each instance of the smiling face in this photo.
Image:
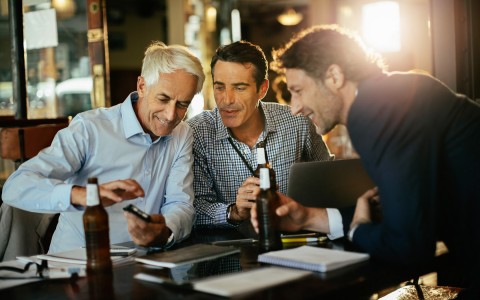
(162, 106)
(236, 94)
(313, 99)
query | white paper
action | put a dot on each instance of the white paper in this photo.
(312, 258)
(248, 282)
(235, 284)
(78, 257)
(40, 29)
(7, 283)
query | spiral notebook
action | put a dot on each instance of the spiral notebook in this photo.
(312, 258)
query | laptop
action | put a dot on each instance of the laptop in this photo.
(335, 184)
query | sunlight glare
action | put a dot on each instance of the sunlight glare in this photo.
(381, 26)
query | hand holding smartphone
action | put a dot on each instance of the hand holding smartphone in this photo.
(138, 212)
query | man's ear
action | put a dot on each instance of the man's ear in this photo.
(141, 87)
(263, 89)
(334, 77)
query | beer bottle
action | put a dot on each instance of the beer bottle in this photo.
(267, 202)
(95, 223)
(262, 162)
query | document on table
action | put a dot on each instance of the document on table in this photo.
(6, 281)
(312, 258)
(186, 255)
(235, 284)
(79, 257)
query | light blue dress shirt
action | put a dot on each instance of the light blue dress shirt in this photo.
(110, 144)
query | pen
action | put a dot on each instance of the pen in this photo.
(304, 239)
(234, 242)
(299, 235)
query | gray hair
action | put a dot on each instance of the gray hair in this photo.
(160, 58)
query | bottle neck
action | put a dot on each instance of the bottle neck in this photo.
(264, 179)
(93, 198)
(261, 156)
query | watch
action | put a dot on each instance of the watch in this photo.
(229, 212)
(170, 241)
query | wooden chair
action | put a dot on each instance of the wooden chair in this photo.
(25, 233)
(21, 143)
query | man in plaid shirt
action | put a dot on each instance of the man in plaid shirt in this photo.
(226, 138)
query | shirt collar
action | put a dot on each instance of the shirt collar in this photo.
(131, 125)
(223, 133)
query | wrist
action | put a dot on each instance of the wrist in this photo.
(316, 219)
(351, 232)
(78, 196)
(170, 240)
(232, 214)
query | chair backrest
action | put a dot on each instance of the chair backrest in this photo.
(336, 183)
(25, 233)
(22, 143)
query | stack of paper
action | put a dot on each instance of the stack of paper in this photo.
(312, 258)
(79, 257)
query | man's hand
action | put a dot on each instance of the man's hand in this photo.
(246, 195)
(110, 192)
(294, 216)
(154, 233)
(367, 209)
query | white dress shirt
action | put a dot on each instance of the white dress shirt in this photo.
(110, 144)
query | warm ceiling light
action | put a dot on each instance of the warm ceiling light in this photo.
(65, 8)
(290, 17)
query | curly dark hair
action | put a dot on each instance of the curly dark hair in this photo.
(316, 48)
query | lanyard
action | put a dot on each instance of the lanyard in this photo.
(263, 143)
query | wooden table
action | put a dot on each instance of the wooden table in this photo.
(354, 282)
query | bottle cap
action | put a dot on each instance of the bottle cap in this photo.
(264, 178)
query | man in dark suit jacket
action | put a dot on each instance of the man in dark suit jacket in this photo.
(418, 140)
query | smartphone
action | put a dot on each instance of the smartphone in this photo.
(138, 212)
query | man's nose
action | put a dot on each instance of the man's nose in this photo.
(229, 96)
(171, 111)
(295, 106)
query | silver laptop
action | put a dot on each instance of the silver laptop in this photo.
(334, 184)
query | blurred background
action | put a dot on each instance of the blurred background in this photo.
(82, 54)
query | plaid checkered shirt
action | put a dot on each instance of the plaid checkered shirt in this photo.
(219, 171)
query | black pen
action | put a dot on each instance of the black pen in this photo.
(300, 235)
(234, 242)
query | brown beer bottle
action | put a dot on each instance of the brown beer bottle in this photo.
(95, 223)
(267, 202)
(262, 162)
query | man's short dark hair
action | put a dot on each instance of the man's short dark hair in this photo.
(245, 53)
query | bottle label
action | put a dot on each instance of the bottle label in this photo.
(92, 195)
(264, 178)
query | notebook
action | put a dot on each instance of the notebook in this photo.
(312, 258)
(335, 184)
(186, 255)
